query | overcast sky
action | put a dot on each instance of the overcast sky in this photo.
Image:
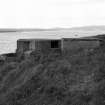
(51, 13)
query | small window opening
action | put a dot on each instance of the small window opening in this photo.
(26, 45)
(54, 44)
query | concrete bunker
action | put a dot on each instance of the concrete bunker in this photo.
(63, 45)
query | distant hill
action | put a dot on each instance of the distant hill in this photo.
(85, 28)
(89, 28)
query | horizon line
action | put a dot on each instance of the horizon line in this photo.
(45, 29)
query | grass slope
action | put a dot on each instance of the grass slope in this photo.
(73, 79)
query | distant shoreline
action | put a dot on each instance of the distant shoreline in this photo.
(86, 28)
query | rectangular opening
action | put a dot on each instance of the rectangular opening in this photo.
(54, 44)
(26, 45)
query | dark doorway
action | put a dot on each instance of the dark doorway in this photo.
(54, 44)
(26, 45)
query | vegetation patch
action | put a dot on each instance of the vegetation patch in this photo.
(41, 79)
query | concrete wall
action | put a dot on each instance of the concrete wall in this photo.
(23, 46)
(19, 46)
(45, 46)
(70, 45)
(42, 45)
(32, 45)
(66, 44)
